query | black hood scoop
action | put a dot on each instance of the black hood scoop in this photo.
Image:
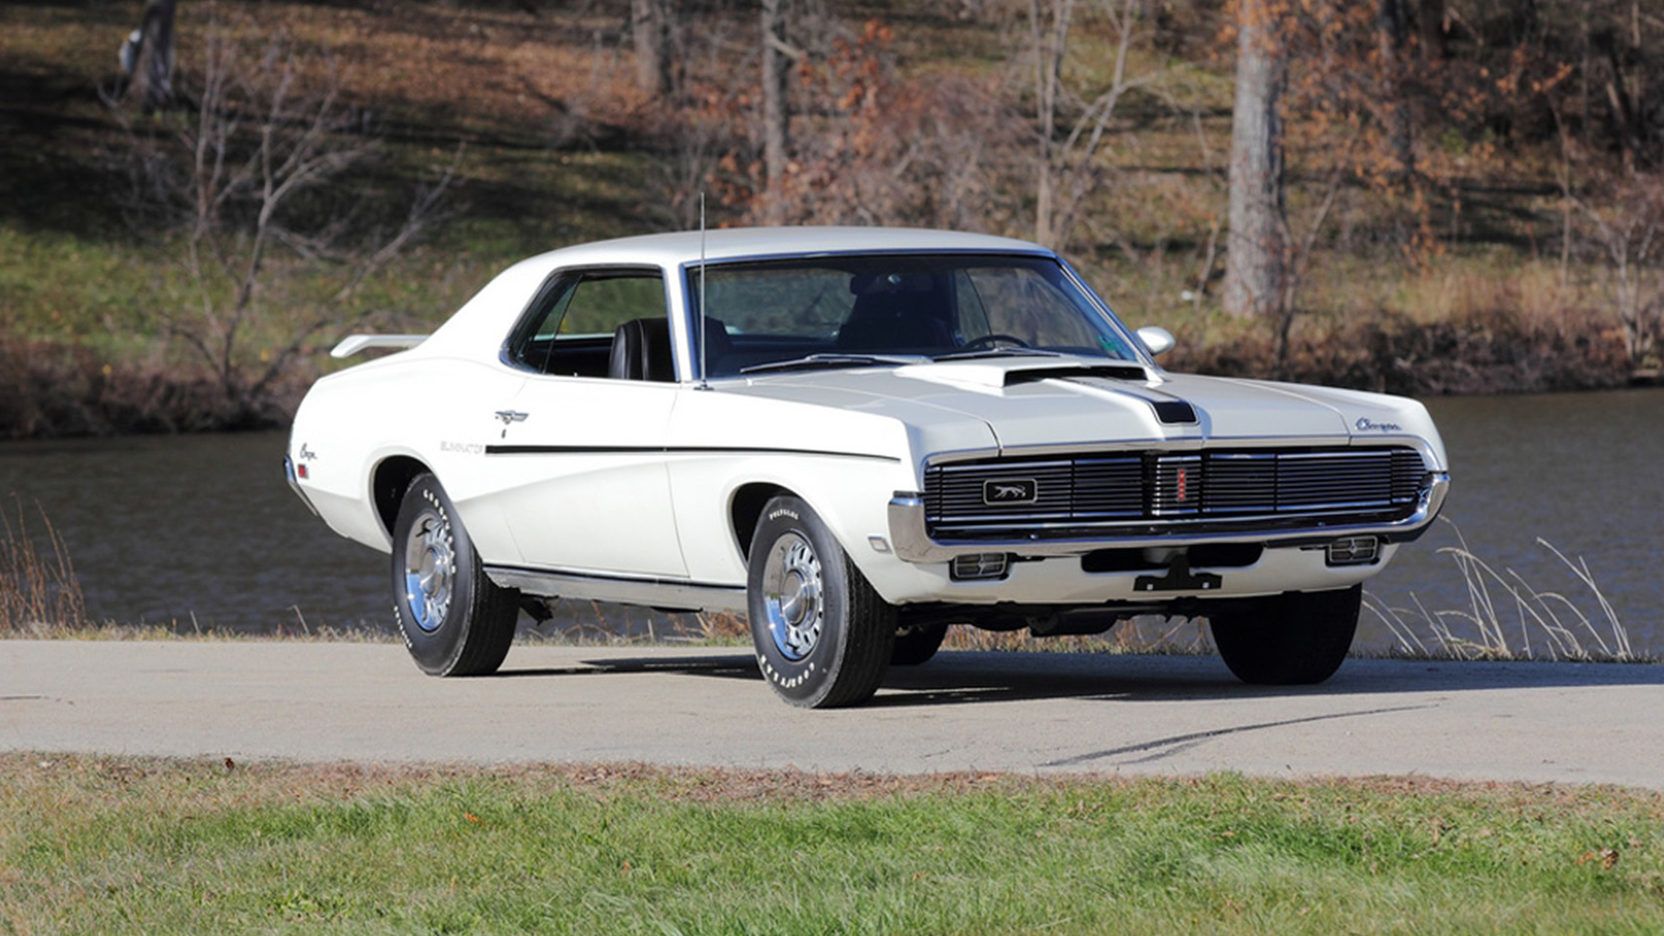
(1106, 371)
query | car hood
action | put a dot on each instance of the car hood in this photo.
(1035, 403)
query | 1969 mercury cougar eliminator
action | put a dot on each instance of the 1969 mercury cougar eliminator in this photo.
(857, 437)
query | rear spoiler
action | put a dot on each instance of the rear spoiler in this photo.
(352, 344)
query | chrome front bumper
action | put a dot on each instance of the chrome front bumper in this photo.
(913, 543)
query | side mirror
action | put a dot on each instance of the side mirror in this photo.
(1157, 340)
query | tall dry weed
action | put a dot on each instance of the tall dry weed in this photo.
(37, 580)
(1507, 618)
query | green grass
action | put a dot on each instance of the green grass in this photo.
(92, 845)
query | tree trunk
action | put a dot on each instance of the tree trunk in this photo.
(1255, 253)
(152, 79)
(1391, 36)
(649, 31)
(1431, 17)
(1049, 31)
(776, 116)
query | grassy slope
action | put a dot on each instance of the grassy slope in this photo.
(513, 85)
(431, 77)
(92, 845)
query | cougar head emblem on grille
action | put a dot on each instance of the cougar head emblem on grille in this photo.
(1010, 491)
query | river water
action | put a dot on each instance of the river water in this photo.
(202, 528)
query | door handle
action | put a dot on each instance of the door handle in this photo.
(511, 416)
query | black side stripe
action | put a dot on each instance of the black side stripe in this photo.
(669, 450)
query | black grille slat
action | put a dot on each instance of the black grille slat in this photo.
(1219, 485)
(1109, 487)
(1242, 484)
(1354, 480)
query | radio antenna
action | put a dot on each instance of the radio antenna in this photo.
(704, 383)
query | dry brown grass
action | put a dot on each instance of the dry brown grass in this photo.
(1508, 618)
(1147, 633)
(37, 579)
(106, 780)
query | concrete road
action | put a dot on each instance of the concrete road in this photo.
(964, 711)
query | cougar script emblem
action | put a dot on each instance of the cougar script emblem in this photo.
(1010, 491)
(1365, 424)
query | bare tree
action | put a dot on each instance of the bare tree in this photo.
(707, 137)
(1072, 126)
(1296, 262)
(1627, 229)
(650, 34)
(776, 116)
(251, 180)
(1254, 252)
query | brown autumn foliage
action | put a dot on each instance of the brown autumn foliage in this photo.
(869, 146)
(888, 150)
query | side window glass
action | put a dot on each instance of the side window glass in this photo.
(530, 345)
(603, 302)
(555, 311)
(570, 331)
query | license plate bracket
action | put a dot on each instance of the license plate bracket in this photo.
(1178, 577)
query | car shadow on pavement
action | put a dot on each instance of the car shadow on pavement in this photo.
(957, 677)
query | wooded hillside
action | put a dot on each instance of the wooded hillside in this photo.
(1413, 195)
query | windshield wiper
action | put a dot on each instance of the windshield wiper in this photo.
(830, 360)
(997, 352)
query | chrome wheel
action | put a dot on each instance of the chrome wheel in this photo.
(792, 595)
(429, 570)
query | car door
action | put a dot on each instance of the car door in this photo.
(581, 446)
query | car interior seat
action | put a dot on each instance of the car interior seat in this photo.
(641, 351)
(897, 312)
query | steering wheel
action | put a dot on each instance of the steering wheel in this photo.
(989, 341)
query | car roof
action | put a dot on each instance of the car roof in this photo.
(477, 329)
(674, 249)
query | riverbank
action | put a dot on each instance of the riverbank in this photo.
(52, 390)
(98, 844)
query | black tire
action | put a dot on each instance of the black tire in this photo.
(853, 628)
(472, 634)
(918, 645)
(1296, 639)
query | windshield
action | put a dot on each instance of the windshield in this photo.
(855, 311)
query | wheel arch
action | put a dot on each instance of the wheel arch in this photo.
(846, 518)
(389, 480)
(745, 508)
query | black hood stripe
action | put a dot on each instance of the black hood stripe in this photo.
(1170, 409)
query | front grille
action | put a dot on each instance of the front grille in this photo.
(1164, 489)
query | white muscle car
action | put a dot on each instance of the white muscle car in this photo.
(857, 437)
